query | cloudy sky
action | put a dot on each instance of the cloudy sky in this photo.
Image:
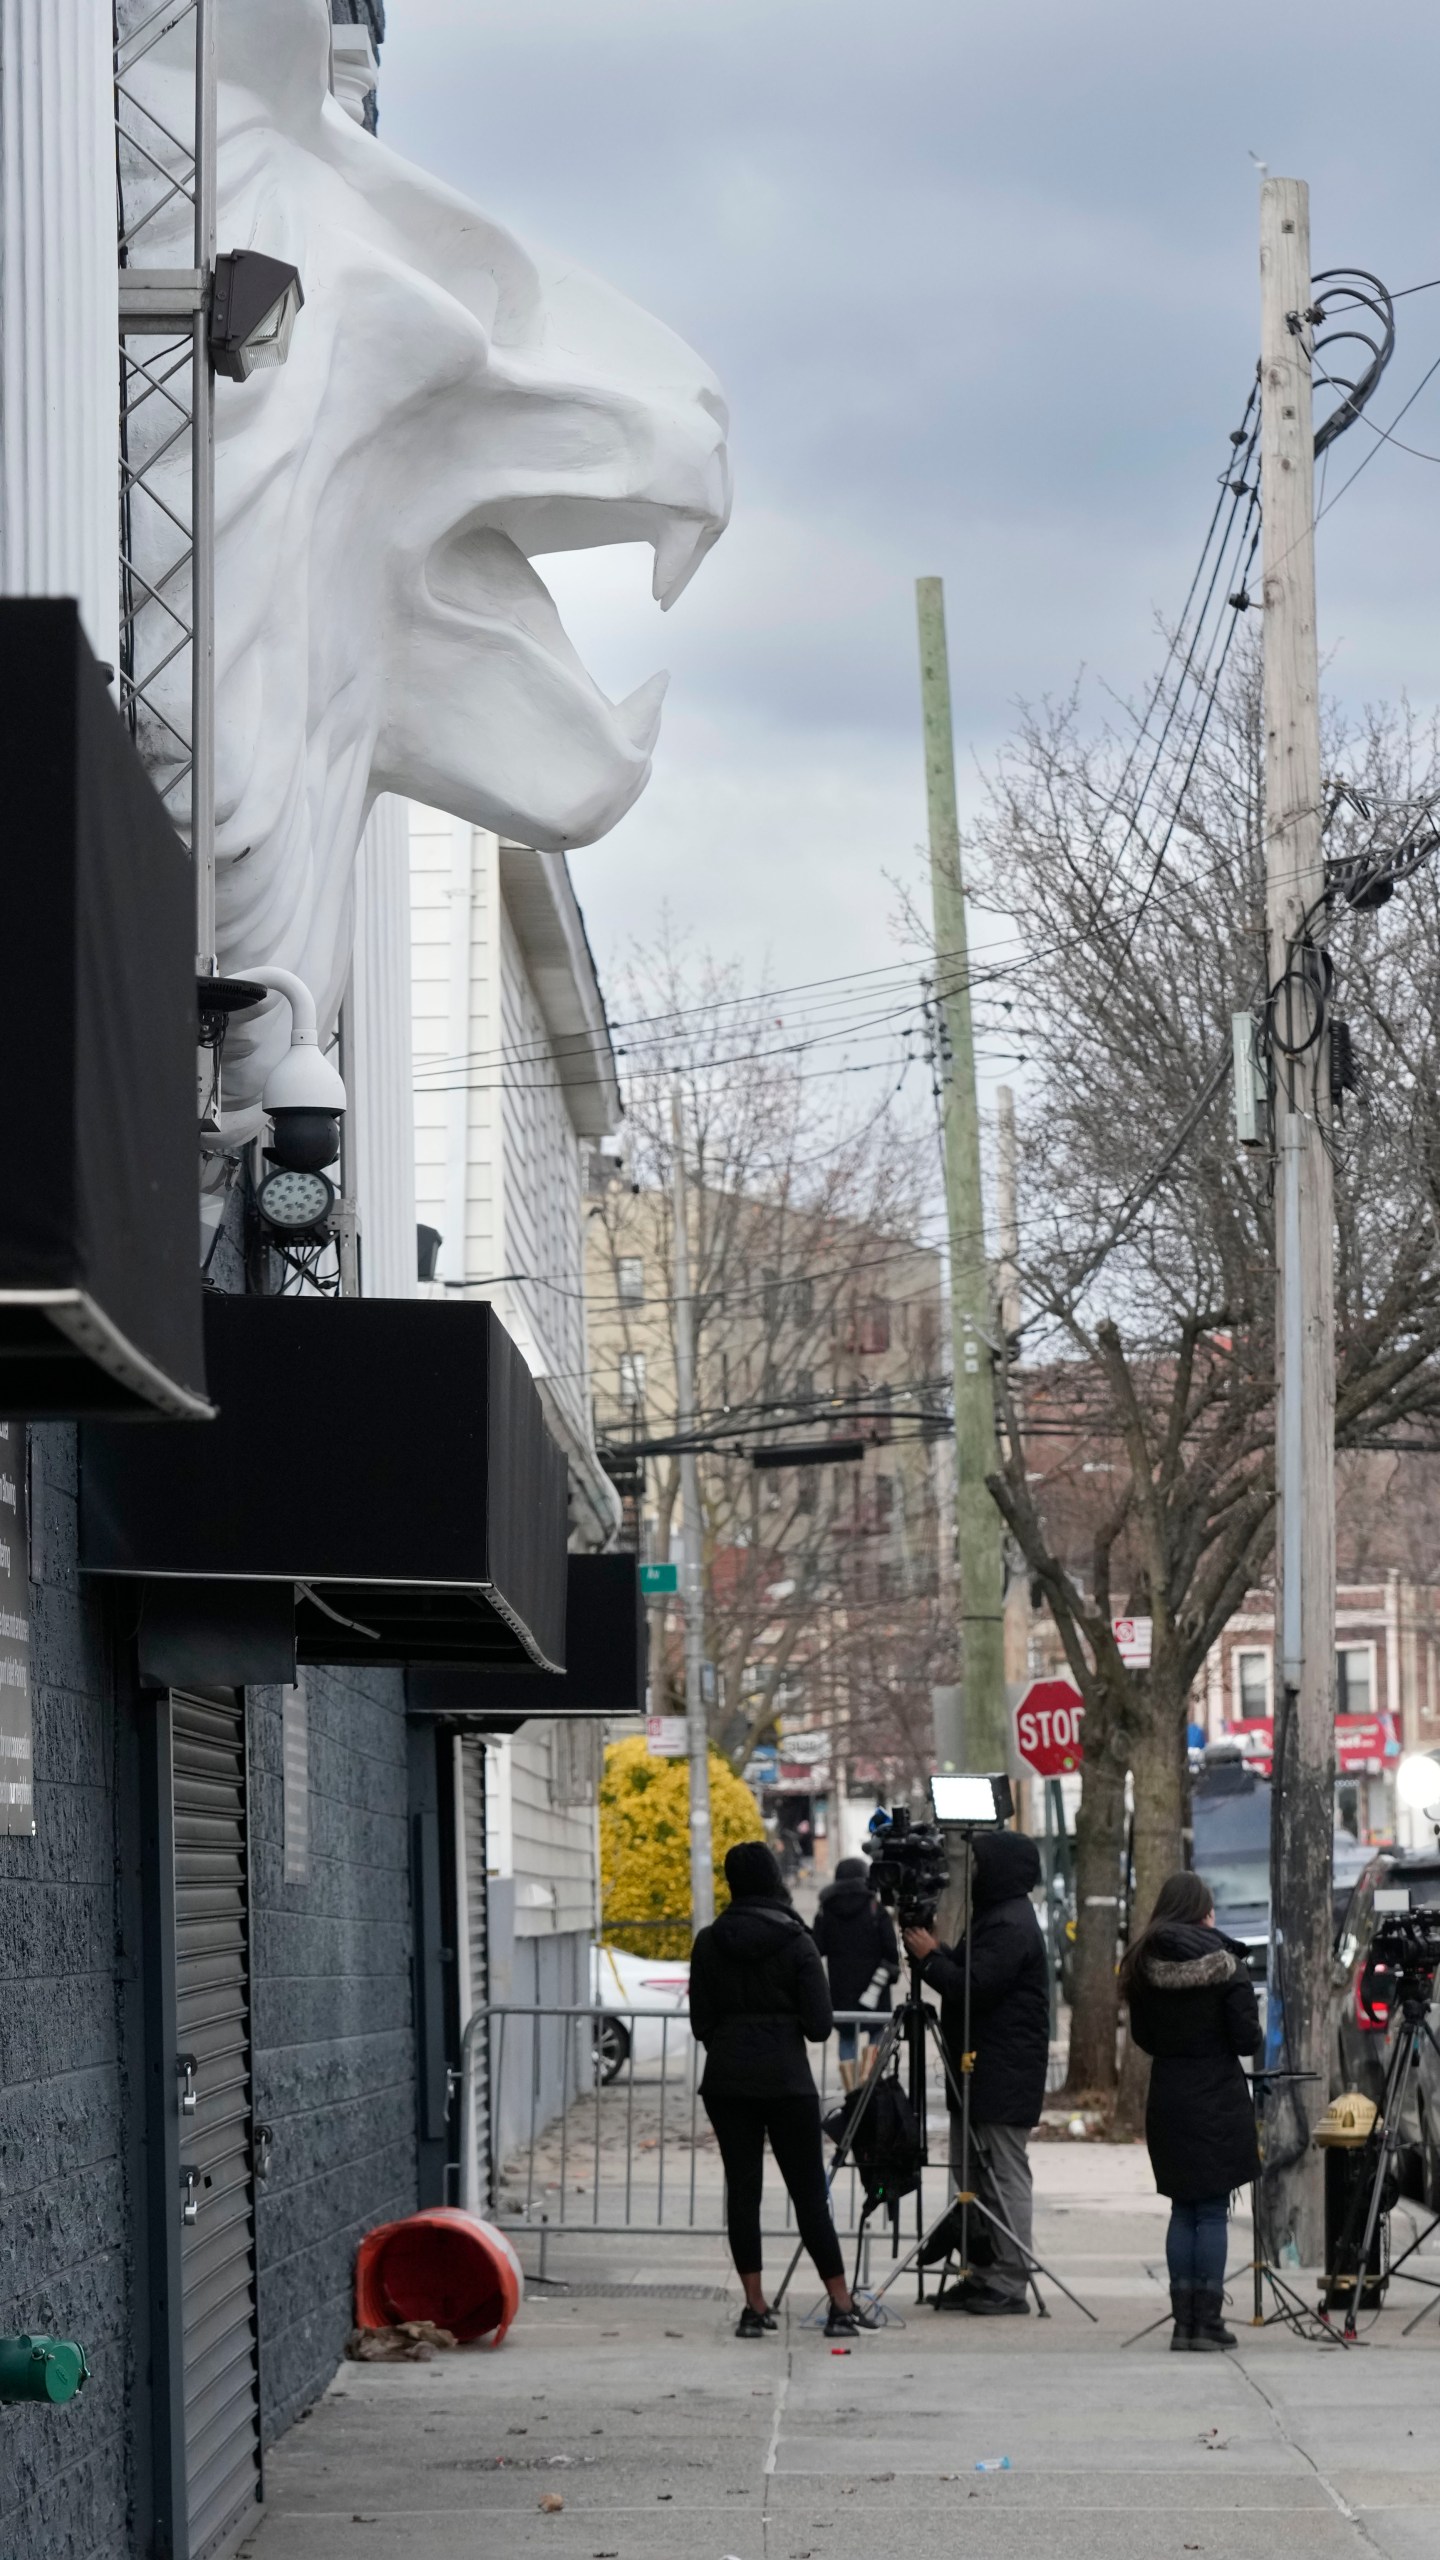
(980, 282)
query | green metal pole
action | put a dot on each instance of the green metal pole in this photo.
(982, 1739)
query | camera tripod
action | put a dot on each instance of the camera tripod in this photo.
(913, 2020)
(1402, 2070)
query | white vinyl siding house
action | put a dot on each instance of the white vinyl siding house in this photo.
(514, 1085)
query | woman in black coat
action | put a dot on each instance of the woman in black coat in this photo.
(757, 1992)
(1192, 2008)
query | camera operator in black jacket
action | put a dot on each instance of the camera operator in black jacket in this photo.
(757, 1992)
(1010, 2036)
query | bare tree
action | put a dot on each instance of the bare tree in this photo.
(819, 1318)
(1147, 1234)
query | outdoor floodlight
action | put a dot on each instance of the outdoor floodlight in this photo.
(303, 1094)
(295, 1204)
(964, 1802)
(254, 302)
(1417, 1781)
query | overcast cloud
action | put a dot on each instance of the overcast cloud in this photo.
(981, 286)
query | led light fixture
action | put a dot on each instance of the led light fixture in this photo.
(967, 1801)
(254, 303)
(1417, 1781)
(295, 1204)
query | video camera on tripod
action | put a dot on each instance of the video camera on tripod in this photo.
(1397, 1984)
(1403, 1958)
(909, 1860)
(909, 1865)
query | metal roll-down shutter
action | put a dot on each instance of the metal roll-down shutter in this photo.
(212, 2018)
(475, 1930)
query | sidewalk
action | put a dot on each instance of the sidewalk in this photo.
(669, 2440)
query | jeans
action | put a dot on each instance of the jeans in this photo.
(1000, 2166)
(850, 2040)
(1195, 2244)
(793, 2125)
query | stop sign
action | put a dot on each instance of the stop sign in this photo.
(1049, 1728)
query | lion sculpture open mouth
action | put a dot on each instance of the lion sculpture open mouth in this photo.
(452, 408)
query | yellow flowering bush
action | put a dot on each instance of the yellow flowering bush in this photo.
(645, 1844)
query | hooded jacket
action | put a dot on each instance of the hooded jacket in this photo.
(757, 1991)
(856, 1936)
(1009, 1985)
(1193, 2008)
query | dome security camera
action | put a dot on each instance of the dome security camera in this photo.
(303, 1094)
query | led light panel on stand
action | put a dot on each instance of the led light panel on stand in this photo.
(971, 1801)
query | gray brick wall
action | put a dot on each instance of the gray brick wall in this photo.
(64, 2207)
(333, 2051)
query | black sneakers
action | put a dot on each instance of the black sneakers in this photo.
(848, 2324)
(755, 2324)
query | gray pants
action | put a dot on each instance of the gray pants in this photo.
(1000, 2164)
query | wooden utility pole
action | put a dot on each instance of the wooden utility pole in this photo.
(692, 1567)
(1007, 1292)
(1304, 1769)
(982, 1739)
(1007, 1210)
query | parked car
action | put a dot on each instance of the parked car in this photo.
(1230, 1814)
(644, 1990)
(1363, 2023)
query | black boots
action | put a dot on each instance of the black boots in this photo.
(1210, 2332)
(1199, 2326)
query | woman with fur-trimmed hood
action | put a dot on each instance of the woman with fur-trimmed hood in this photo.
(1193, 2009)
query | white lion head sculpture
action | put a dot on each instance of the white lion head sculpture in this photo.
(451, 408)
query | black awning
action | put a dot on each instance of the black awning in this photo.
(387, 1457)
(605, 1659)
(99, 1244)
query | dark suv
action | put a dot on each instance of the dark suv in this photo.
(1362, 2032)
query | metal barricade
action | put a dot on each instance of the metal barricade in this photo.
(596, 2124)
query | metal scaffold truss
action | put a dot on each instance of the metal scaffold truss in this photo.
(165, 181)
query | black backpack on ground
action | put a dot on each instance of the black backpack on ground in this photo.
(886, 2149)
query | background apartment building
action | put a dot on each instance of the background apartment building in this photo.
(828, 1605)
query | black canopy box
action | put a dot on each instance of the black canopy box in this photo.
(99, 1228)
(386, 1458)
(606, 1637)
(216, 1635)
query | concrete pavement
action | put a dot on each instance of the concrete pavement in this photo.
(667, 2439)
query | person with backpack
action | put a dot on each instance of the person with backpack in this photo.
(856, 1936)
(1193, 2010)
(1010, 2034)
(757, 1993)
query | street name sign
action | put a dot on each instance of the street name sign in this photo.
(658, 1579)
